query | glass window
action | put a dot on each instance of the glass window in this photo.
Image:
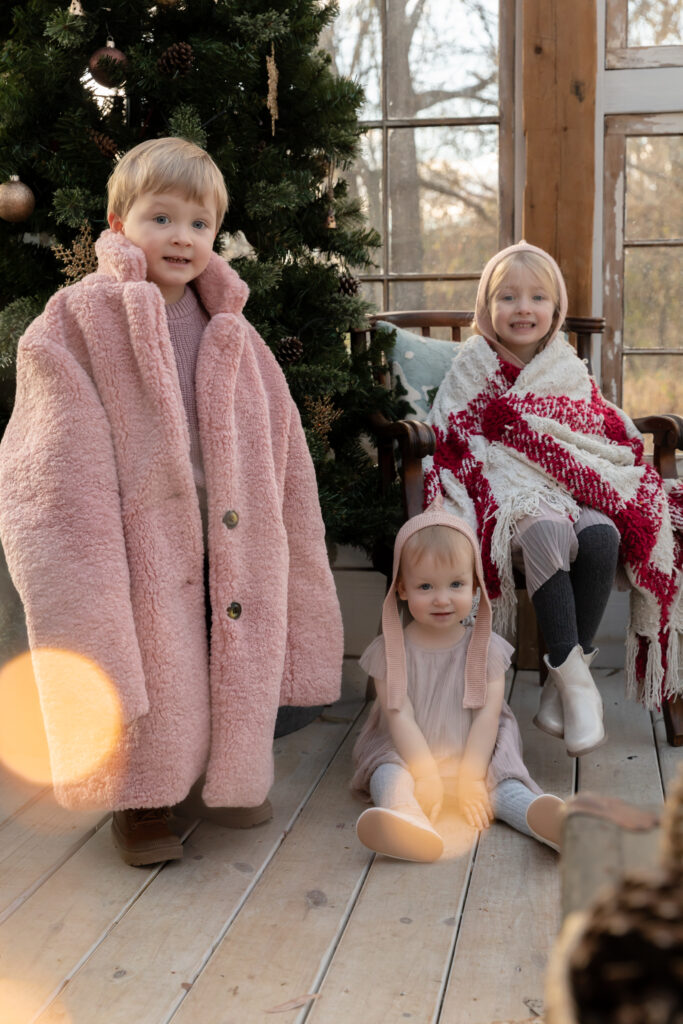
(642, 354)
(443, 63)
(366, 182)
(643, 33)
(354, 41)
(654, 22)
(441, 294)
(443, 198)
(653, 298)
(429, 170)
(652, 384)
(654, 187)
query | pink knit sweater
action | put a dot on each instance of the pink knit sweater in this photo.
(186, 323)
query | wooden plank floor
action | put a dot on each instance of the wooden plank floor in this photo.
(294, 920)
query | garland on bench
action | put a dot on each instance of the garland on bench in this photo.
(509, 440)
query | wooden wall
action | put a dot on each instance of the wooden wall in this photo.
(559, 74)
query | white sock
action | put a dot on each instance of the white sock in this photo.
(510, 800)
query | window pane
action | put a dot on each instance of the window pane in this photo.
(443, 198)
(365, 183)
(654, 22)
(354, 39)
(653, 384)
(458, 295)
(654, 187)
(444, 63)
(371, 291)
(653, 296)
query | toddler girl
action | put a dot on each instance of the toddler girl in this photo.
(440, 727)
(552, 478)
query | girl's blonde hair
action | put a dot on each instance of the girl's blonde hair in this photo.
(540, 268)
(441, 543)
(166, 165)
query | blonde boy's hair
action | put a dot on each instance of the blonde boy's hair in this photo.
(166, 165)
(441, 543)
(538, 267)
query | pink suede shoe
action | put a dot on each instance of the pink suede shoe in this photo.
(544, 816)
(399, 834)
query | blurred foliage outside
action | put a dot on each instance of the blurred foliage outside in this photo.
(655, 22)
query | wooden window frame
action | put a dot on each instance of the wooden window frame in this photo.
(618, 128)
(506, 154)
(619, 55)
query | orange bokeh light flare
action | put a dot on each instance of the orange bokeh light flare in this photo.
(82, 716)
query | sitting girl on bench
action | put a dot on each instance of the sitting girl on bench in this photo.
(551, 477)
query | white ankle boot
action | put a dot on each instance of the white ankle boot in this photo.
(404, 834)
(549, 716)
(581, 703)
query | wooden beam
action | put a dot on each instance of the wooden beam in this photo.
(559, 73)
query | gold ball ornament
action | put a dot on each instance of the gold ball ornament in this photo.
(17, 201)
(108, 65)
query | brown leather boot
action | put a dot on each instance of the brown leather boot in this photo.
(143, 836)
(228, 817)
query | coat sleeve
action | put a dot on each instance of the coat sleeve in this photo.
(312, 672)
(60, 520)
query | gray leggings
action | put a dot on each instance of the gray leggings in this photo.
(543, 544)
(393, 787)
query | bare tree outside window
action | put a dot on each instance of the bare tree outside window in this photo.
(654, 22)
(429, 170)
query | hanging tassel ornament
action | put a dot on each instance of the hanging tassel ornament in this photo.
(330, 220)
(271, 102)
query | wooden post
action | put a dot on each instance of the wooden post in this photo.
(559, 72)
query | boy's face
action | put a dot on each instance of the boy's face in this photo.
(176, 235)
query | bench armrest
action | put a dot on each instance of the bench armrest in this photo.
(415, 440)
(667, 434)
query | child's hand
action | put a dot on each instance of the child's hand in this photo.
(475, 805)
(429, 794)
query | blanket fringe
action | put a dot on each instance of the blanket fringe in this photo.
(656, 686)
(672, 681)
(632, 644)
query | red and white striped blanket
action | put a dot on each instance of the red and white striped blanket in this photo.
(509, 439)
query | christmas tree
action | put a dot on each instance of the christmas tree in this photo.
(245, 79)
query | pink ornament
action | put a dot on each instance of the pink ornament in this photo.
(108, 65)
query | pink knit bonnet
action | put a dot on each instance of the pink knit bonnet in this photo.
(482, 314)
(475, 666)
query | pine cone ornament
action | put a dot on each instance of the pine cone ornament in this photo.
(628, 966)
(672, 828)
(349, 285)
(177, 59)
(289, 350)
(104, 143)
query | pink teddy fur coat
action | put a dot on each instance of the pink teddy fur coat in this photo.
(101, 526)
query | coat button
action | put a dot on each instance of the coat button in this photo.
(234, 610)
(231, 519)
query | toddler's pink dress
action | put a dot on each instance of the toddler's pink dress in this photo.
(436, 688)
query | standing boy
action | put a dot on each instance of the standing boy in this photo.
(153, 430)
